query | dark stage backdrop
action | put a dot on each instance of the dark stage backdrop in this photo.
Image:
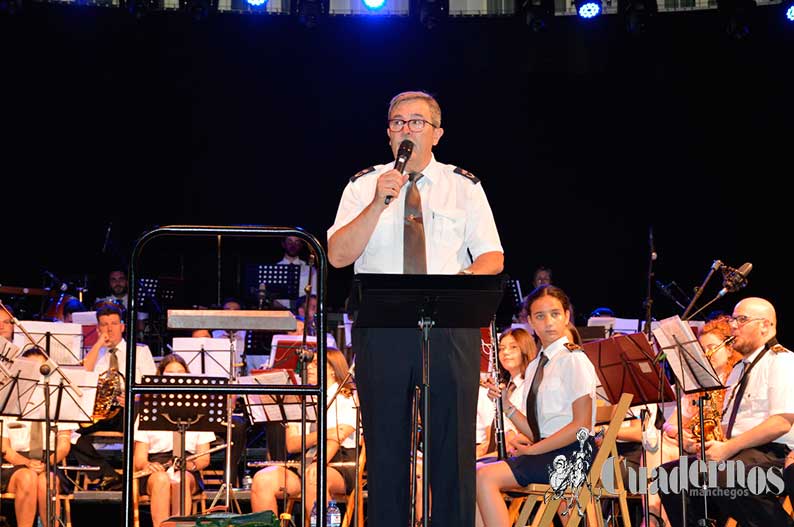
(583, 138)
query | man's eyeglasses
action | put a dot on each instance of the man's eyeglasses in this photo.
(414, 125)
(741, 320)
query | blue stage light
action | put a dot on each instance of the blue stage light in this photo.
(790, 13)
(256, 3)
(374, 4)
(588, 8)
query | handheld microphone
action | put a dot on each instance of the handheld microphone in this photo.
(403, 155)
(734, 279)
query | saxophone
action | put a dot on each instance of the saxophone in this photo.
(712, 418)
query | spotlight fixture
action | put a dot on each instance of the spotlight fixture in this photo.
(789, 9)
(537, 14)
(310, 12)
(738, 15)
(430, 12)
(374, 5)
(588, 8)
(256, 3)
(637, 14)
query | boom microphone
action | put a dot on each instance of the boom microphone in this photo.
(403, 155)
(734, 279)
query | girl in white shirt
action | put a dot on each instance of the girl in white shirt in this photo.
(565, 404)
(154, 448)
(269, 483)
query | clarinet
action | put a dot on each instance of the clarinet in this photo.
(499, 423)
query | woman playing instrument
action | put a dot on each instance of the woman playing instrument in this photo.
(714, 338)
(560, 395)
(516, 350)
(154, 449)
(270, 482)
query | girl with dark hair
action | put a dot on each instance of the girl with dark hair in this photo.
(560, 401)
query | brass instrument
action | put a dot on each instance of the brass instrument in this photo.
(712, 408)
(109, 387)
(712, 418)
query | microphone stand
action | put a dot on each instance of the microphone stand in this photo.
(716, 266)
(648, 304)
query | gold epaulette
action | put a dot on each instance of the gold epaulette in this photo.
(777, 348)
(362, 173)
(468, 175)
(573, 347)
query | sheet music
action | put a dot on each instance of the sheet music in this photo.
(73, 408)
(267, 407)
(66, 340)
(8, 349)
(686, 356)
(215, 355)
(14, 396)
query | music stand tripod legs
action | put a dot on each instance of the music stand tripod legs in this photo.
(423, 393)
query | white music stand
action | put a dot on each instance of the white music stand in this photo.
(66, 339)
(18, 383)
(204, 355)
(65, 403)
(8, 350)
(267, 408)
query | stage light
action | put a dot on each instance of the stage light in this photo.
(637, 14)
(256, 3)
(310, 12)
(790, 12)
(432, 12)
(374, 5)
(738, 16)
(588, 8)
(537, 14)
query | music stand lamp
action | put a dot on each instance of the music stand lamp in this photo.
(694, 373)
(424, 302)
(177, 413)
(627, 364)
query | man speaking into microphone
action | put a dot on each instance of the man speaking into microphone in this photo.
(417, 216)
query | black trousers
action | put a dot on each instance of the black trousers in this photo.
(388, 366)
(750, 510)
(84, 450)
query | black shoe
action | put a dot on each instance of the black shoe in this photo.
(110, 483)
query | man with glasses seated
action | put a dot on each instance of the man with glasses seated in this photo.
(757, 420)
(434, 219)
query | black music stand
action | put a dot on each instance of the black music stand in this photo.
(178, 412)
(279, 280)
(694, 373)
(627, 364)
(424, 302)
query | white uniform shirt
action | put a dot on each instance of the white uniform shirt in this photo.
(486, 409)
(163, 441)
(144, 363)
(18, 432)
(567, 376)
(342, 412)
(769, 391)
(456, 215)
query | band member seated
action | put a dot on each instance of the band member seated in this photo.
(560, 400)
(23, 447)
(516, 350)
(154, 449)
(757, 425)
(270, 482)
(108, 356)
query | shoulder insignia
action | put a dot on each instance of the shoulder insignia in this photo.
(777, 348)
(573, 347)
(362, 173)
(468, 175)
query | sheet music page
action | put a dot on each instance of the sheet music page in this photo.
(685, 355)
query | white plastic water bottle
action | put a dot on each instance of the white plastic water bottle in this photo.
(313, 516)
(334, 515)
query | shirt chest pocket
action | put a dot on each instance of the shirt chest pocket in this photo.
(384, 233)
(550, 394)
(449, 226)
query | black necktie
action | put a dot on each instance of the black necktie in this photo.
(414, 257)
(737, 398)
(532, 398)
